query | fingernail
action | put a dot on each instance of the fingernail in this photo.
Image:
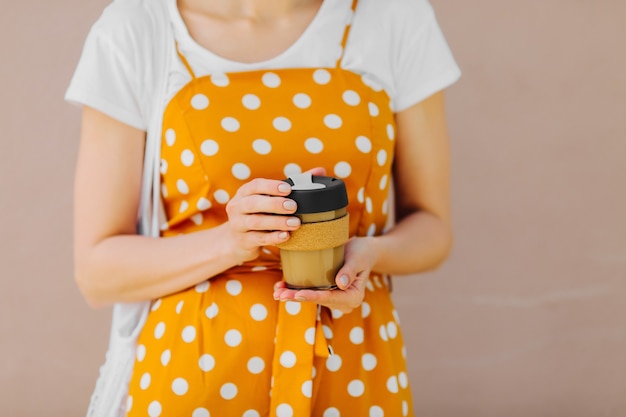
(293, 221)
(283, 235)
(344, 280)
(284, 188)
(299, 298)
(289, 205)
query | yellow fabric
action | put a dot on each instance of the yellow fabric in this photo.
(226, 347)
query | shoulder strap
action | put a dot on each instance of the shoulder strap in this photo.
(346, 33)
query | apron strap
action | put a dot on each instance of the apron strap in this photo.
(346, 34)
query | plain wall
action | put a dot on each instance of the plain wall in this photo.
(528, 316)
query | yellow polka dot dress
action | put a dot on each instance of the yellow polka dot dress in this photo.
(225, 347)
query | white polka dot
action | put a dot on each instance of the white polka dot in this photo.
(357, 335)
(179, 306)
(261, 146)
(166, 356)
(307, 389)
(170, 137)
(321, 76)
(233, 338)
(180, 386)
(293, 307)
(282, 124)
(220, 79)
(361, 195)
(271, 80)
(343, 169)
(203, 204)
(337, 314)
(309, 335)
(291, 169)
(331, 412)
(228, 391)
(369, 205)
(373, 108)
(241, 171)
(365, 310)
(141, 353)
(376, 411)
(200, 412)
(391, 134)
(392, 330)
(332, 121)
(383, 182)
(314, 145)
(383, 333)
(333, 363)
(184, 205)
(259, 268)
(221, 196)
(256, 365)
(211, 311)
(251, 413)
(199, 102)
(363, 144)
(145, 380)
(129, 403)
(159, 330)
(356, 388)
(371, 231)
(206, 362)
(405, 408)
(288, 359)
(284, 410)
(189, 334)
(230, 124)
(381, 157)
(403, 380)
(258, 312)
(163, 167)
(197, 219)
(209, 147)
(302, 101)
(328, 332)
(392, 384)
(187, 157)
(395, 315)
(369, 361)
(385, 208)
(351, 98)
(251, 102)
(154, 409)
(182, 187)
(156, 305)
(234, 287)
(202, 287)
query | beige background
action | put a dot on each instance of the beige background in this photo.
(527, 318)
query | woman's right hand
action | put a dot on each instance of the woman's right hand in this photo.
(259, 215)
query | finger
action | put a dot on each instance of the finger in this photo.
(259, 238)
(268, 222)
(258, 203)
(265, 186)
(319, 171)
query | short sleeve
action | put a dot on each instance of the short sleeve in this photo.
(423, 63)
(106, 77)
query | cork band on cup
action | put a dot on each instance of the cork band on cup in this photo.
(320, 235)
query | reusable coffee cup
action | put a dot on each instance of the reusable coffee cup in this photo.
(314, 253)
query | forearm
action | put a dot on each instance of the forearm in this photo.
(419, 242)
(125, 268)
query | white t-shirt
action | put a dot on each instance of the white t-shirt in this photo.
(394, 44)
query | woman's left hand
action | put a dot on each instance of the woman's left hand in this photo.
(351, 279)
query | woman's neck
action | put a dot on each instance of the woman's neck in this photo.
(250, 10)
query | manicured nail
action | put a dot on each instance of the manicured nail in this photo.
(344, 280)
(283, 235)
(293, 222)
(284, 188)
(289, 205)
(299, 298)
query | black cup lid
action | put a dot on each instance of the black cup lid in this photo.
(333, 196)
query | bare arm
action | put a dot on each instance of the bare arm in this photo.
(113, 263)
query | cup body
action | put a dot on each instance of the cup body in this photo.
(313, 269)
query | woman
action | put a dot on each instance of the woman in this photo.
(256, 91)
